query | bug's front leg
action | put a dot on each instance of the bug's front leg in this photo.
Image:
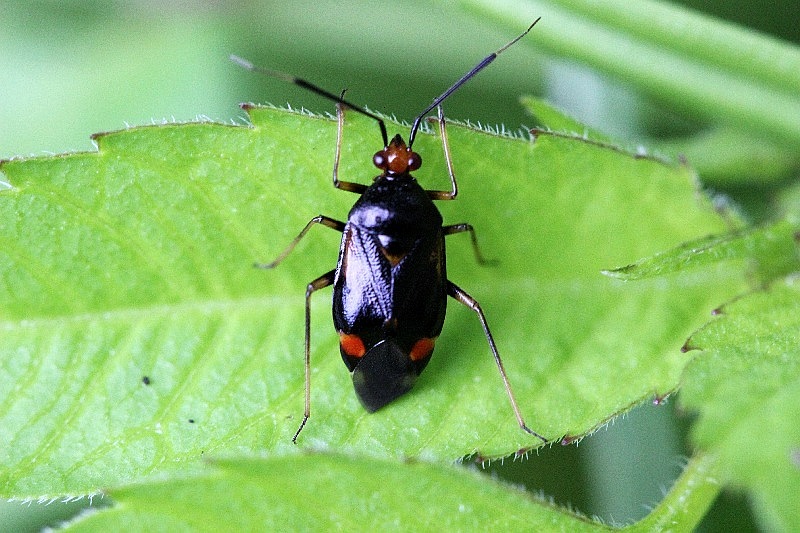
(453, 192)
(461, 228)
(357, 188)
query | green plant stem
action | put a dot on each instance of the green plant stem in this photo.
(675, 56)
(688, 500)
(685, 32)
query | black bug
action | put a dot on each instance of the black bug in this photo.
(390, 285)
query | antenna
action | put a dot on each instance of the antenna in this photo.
(466, 77)
(340, 99)
(313, 88)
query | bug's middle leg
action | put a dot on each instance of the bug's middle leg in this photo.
(319, 219)
(461, 228)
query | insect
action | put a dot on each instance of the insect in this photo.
(390, 284)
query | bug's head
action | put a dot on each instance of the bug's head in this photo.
(397, 158)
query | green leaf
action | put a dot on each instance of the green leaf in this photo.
(726, 157)
(558, 121)
(744, 382)
(769, 251)
(136, 261)
(716, 155)
(285, 494)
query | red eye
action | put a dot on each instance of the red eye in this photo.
(414, 161)
(380, 161)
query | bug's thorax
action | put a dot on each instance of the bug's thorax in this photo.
(396, 206)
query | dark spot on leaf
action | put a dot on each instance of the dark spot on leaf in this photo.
(479, 459)
(191, 420)
(660, 400)
(688, 346)
(146, 380)
(569, 439)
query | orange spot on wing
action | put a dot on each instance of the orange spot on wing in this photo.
(352, 345)
(422, 349)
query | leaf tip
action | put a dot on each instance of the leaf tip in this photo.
(98, 138)
(623, 273)
(688, 346)
(5, 184)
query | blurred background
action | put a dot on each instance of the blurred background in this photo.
(73, 68)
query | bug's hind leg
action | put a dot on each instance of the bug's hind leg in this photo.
(458, 294)
(319, 283)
